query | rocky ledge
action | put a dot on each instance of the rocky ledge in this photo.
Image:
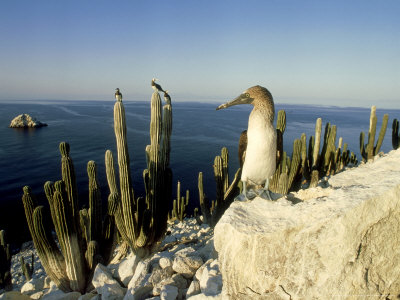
(26, 121)
(335, 241)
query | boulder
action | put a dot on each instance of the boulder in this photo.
(339, 244)
(26, 121)
(106, 285)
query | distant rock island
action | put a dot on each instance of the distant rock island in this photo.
(26, 121)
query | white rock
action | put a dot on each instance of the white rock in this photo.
(165, 262)
(126, 269)
(169, 292)
(212, 297)
(211, 280)
(32, 286)
(194, 288)
(60, 295)
(341, 244)
(187, 265)
(139, 286)
(106, 285)
(25, 120)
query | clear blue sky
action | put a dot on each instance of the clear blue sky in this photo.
(344, 53)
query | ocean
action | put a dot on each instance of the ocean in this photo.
(31, 156)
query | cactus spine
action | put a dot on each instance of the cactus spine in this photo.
(395, 134)
(70, 268)
(369, 150)
(143, 221)
(5, 262)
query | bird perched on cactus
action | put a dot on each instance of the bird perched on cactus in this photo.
(156, 86)
(260, 156)
(118, 95)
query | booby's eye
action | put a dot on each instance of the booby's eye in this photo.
(247, 95)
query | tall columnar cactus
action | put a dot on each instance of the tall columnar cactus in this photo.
(287, 170)
(27, 269)
(225, 194)
(71, 265)
(5, 262)
(369, 150)
(280, 130)
(142, 222)
(180, 204)
(395, 134)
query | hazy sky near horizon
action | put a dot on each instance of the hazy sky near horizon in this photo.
(344, 53)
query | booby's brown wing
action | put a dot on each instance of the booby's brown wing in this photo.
(242, 147)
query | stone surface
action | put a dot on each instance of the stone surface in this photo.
(214, 297)
(126, 269)
(106, 285)
(59, 295)
(14, 295)
(169, 292)
(32, 286)
(211, 279)
(194, 288)
(25, 121)
(340, 244)
(187, 265)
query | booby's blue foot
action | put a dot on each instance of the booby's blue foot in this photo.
(266, 194)
(248, 196)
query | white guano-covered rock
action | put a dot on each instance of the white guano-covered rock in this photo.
(341, 243)
(25, 121)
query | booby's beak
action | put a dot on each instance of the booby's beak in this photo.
(242, 99)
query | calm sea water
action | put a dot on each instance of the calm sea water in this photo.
(31, 156)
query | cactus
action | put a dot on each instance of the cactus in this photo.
(142, 222)
(180, 204)
(71, 266)
(287, 170)
(226, 192)
(5, 262)
(395, 134)
(27, 269)
(369, 150)
(280, 130)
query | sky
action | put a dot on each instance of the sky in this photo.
(343, 53)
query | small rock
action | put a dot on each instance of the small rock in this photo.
(105, 285)
(165, 262)
(32, 286)
(194, 288)
(14, 295)
(187, 266)
(211, 280)
(159, 275)
(169, 292)
(47, 282)
(25, 121)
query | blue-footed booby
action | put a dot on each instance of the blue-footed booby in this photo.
(260, 152)
(118, 95)
(156, 86)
